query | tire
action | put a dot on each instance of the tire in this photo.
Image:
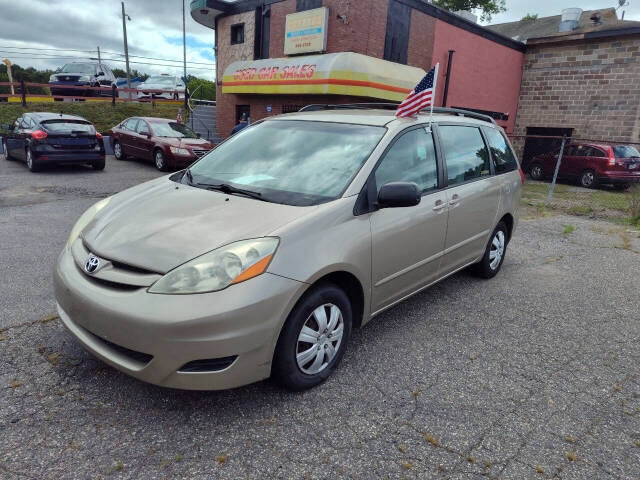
(588, 179)
(300, 372)
(159, 161)
(32, 164)
(6, 152)
(496, 247)
(536, 171)
(98, 164)
(118, 151)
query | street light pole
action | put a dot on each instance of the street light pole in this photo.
(126, 48)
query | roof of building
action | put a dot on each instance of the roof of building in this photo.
(545, 27)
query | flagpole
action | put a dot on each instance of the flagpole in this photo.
(433, 97)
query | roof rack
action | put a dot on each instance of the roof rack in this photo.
(394, 106)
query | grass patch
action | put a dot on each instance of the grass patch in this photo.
(619, 206)
(102, 114)
(569, 229)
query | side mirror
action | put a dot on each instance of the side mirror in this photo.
(100, 74)
(399, 194)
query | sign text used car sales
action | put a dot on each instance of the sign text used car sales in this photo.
(289, 72)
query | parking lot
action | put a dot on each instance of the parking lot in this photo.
(534, 374)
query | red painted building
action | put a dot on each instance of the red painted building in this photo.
(275, 56)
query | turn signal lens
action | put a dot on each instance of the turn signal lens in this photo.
(38, 135)
(98, 135)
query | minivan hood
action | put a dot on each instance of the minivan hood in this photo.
(162, 224)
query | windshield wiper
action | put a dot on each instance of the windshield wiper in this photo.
(231, 190)
(189, 175)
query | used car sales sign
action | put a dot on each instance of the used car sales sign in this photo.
(306, 31)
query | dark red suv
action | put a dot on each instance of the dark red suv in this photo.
(590, 164)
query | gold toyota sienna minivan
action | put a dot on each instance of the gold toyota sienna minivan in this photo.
(261, 258)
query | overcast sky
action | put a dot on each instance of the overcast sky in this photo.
(156, 30)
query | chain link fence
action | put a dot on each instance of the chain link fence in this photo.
(581, 176)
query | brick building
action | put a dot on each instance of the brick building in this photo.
(373, 50)
(583, 81)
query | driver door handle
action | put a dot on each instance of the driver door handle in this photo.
(454, 200)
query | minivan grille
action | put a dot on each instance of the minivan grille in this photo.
(134, 355)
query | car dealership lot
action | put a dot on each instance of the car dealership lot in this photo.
(529, 375)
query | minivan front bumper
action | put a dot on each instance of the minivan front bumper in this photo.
(152, 337)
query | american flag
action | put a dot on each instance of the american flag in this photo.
(421, 96)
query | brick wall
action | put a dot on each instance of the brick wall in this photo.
(227, 53)
(590, 86)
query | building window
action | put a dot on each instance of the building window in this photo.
(396, 42)
(237, 33)
(291, 108)
(307, 5)
(242, 110)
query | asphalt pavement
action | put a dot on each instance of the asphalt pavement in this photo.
(534, 374)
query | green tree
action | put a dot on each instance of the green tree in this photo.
(529, 16)
(487, 7)
(207, 90)
(121, 73)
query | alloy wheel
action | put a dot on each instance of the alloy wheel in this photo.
(29, 160)
(536, 172)
(159, 157)
(117, 150)
(587, 179)
(319, 339)
(497, 250)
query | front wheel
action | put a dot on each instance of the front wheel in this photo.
(159, 160)
(494, 254)
(32, 164)
(313, 339)
(98, 164)
(588, 179)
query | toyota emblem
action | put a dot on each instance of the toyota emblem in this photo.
(92, 264)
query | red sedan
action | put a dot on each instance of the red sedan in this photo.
(167, 143)
(591, 164)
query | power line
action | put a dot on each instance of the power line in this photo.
(108, 60)
(103, 51)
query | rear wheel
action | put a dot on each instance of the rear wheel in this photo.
(313, 339)
(32, 163)
(98, 164)
(118, 152)
(159, 160)
(536, 171)
(494, 254)
(588, 179)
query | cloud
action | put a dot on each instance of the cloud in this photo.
(154, 31)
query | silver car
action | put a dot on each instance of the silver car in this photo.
(161, 86)
(261, 258)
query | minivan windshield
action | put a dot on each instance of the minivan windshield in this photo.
(86, 68)
(625, 151)
(290, 161)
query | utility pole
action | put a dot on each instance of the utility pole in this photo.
(99, 57)
(184, 44)
(126, 48)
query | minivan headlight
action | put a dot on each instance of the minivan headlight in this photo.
(85, 218)
(53, 78)
(216, 270)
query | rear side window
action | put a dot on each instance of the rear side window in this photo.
(625, 151)
(130, 124)
(503, 158)
(594, 152)
(66, 126)
(466, 154)
(412, 158)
